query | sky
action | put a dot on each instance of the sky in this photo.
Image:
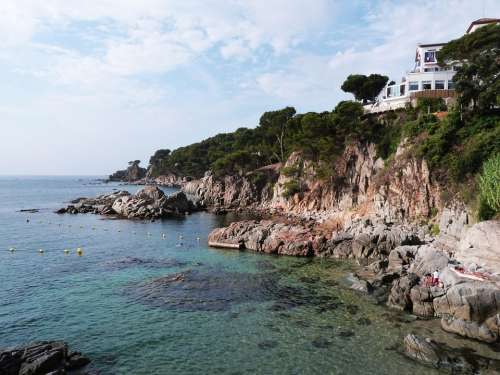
(86, 86)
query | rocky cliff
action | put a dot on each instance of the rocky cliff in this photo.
(389, 217)
(358, 185)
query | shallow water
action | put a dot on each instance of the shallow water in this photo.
(138, 303)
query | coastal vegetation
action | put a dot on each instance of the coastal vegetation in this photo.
(455, 140)
(364, 88)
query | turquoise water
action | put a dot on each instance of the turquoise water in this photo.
(228, 312)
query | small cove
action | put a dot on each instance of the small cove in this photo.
(228, 312)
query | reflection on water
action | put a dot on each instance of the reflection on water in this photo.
(143, 303)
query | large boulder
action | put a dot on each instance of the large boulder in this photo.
(470, 309)
(399, 296)
(401, 257)
(481, 246)
(422, 298)
(428, 259)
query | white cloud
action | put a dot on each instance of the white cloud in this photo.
(384, 44)
(115, 79)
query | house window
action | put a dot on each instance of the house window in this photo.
(426, 85)
(389, 92)
(413, 86)
(439, 85)
(402, 90)
(455, 68)
(451, 85)
(430, 56)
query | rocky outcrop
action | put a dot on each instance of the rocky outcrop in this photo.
(359, 186)
(48, 357)
(480, 247)
(397, 259)
(131, 174)
(268, 237)
(471, 309)
(441, 356)
(233, 192)
(101, 204)
(148, 203)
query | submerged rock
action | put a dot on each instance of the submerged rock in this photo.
(441, 356)
(215, 289)
(127, 262)
(41, 358)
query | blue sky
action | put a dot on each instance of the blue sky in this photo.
(88, 85)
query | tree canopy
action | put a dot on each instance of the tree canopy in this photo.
(477, 56)
(364, 88)
(320, 136)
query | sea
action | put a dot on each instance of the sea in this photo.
(152, 298)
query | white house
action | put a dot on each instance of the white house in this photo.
(426, 79)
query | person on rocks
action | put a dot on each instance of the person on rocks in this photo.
(435, 278)
(428, 280)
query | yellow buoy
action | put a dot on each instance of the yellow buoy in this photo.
(66, 251)
(79, 251)
(40, 251)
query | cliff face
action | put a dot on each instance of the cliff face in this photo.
(358, 185)
(231, 192)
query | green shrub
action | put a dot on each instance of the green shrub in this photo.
(389, 141)
(291, 171)
(435, 230)
(291, 188)
(434, 212)
(489, 189)
(258, 179)
(430, 105)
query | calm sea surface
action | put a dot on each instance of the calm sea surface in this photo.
(229, 312)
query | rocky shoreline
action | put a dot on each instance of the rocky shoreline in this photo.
(148, 203)
(396, 260)
(392, 220)
(46, 357)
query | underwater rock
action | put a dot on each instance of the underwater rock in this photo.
(441, 356)
(41, 358)
(321, 343)
(127, 262)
